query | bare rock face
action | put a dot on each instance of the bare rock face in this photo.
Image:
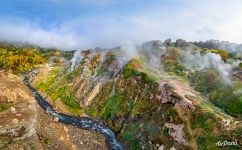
(176, 94)
(164, 95)
(176, 132)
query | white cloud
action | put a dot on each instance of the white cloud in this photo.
(196, 20)
(39, 36)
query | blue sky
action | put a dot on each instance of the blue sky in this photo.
(108, 23)
(62, 10)
(50, 13)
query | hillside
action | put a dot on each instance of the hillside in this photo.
(24, 125)
(157, 95)
(160, 95)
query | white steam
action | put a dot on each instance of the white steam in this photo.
(149, 51)
(76, 60)
(152, 51)
(129, 49)
(207, 61)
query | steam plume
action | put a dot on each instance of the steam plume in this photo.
(208, 61)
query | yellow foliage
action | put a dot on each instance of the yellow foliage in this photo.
(224, 54)
(20, 59)
(135, 64)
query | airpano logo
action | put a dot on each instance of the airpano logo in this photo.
(226, 143)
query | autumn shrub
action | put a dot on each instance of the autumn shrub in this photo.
(20, 59)
(224, 54)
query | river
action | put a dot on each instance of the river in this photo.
(86, 123)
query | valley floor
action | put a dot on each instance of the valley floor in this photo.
(24, 125)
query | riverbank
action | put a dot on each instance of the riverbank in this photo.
(25, 125)
(80, 122)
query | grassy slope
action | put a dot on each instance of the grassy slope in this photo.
(48, 83)
(133, 114)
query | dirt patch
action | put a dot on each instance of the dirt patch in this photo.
(24, 125)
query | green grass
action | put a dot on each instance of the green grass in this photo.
(59, 89)
(174, 67)
(112, 107)
(132, 69)
(131, 135)
(72, 105)
(49, 79)
(101, 71)
(203, 120)
(102, 99)
(46, 140)
(67, 97)
(134, 73)
(4, 106)
(207, 142)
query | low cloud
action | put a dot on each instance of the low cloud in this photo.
(38, 36)
(197, 20)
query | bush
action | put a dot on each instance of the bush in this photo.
(220, 94)
(206, 81)
(224, 54)
(20, 59)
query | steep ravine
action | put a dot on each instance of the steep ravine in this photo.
(25, 125)
(80, 122)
